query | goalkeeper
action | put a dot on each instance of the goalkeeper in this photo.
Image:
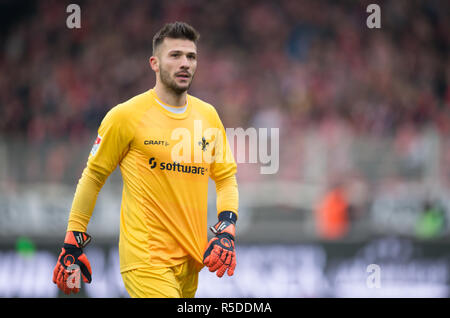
(155, 138)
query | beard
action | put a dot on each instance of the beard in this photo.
(170, 83)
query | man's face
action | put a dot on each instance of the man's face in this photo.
(176, 63)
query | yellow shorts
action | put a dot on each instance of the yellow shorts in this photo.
(180, 281)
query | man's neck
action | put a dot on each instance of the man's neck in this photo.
(169, 97)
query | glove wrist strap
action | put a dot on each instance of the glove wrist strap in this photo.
(229, 216)
(224, 227)
(76, 239)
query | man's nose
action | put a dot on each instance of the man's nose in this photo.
(184, 62)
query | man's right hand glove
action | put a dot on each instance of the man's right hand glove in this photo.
(66, 274)
(220, 254)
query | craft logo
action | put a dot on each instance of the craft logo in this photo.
(96, 145)
(156, 142)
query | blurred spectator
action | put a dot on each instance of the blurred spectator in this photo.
(332, 214)
(432, 221)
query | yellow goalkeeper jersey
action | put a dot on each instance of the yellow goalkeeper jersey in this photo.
(166, 160)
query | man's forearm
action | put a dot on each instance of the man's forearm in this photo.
(84, 200)
(227, 195)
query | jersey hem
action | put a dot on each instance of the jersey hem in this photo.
(130, 267)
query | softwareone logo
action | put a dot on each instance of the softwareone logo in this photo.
(177, 167)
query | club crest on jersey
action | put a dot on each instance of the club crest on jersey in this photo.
(96, 145)
(204, 144)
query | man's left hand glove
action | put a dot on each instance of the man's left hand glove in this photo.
(220, 254)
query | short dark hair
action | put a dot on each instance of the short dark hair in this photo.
(175, 30)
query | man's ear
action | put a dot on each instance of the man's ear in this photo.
(154, 63)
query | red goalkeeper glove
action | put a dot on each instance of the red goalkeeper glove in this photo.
(71, 261)
(220, 254)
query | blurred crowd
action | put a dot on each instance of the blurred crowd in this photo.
(297, 65)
